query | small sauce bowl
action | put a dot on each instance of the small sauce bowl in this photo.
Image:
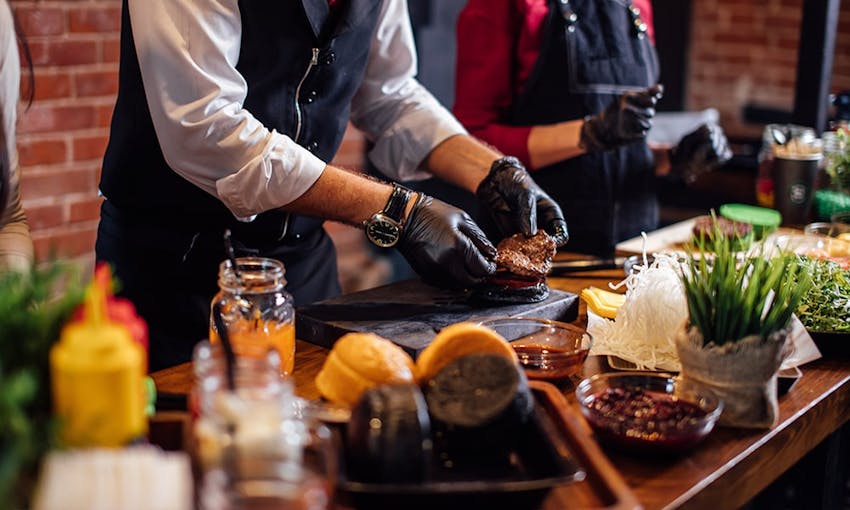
(548, 350)
(647, 413)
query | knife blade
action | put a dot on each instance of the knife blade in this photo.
(575, 266)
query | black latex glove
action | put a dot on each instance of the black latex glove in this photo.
(444, 246)
(624, 121)
(518, 204)
(699, 151)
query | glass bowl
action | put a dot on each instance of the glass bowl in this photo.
(548, 350)
(648, 412)
(829, 229)
(811, 244)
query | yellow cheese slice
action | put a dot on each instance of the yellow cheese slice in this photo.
(603, 302)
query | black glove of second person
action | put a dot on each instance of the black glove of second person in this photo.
(624, 121)
(518, 204)
(444, 246)
(699, 151)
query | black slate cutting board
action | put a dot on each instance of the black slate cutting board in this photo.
(410, 313)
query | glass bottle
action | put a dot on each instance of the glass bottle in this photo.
(257, 310)
(263, 398)
(254, 445)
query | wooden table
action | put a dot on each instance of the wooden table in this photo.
(726, 471)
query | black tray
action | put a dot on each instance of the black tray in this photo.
(832, 345)
(540, 460)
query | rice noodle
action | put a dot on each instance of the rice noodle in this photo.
(654, 309)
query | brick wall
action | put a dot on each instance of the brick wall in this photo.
(743, 51)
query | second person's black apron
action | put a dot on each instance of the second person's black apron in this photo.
(591, 53)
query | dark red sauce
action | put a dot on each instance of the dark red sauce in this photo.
(549, 363)
(638, 418)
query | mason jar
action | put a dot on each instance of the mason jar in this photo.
(254, 446)
(257, 310)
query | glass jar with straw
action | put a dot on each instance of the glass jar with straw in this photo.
(256, 308)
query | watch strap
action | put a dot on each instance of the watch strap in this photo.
(397, 202)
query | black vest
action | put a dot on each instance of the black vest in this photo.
(591, 54)
(302, 63)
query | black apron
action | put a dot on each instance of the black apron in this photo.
(591, 53)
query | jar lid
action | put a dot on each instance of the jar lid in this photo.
(755, 216)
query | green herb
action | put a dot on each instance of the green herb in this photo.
(826, 306)
(731, 297)
(33, 308)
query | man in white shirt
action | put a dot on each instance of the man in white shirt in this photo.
(227, 113)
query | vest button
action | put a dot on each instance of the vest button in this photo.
(330, 58)
(313, 146)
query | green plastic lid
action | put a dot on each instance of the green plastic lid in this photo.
(762, 217)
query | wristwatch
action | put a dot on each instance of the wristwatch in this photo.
(384, 228)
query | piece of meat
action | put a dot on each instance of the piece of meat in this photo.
(526, 256)
(521, 267)
(704, 226)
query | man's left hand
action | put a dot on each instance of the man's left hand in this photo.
(699, 151)
(518, 204)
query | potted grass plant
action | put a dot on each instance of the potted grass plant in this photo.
(739, 310)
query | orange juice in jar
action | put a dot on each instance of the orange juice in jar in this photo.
(257, 311)
(254, 338)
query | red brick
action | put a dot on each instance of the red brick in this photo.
(89, 147)
(87, 20)
(64, 243)
(38, 51)
(52, 85)
(104, 83)
(41, 21)
(42, 152)
(85, 210)
(785, 20)
(111, 49)
(791, 43)
(45, 216)
(57, 118)
(104, 115)
(57, 184)
(741, 38)
(68, 53)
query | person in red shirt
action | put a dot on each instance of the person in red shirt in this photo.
(570, 88)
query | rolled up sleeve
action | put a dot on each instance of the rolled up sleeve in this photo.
(403, 120)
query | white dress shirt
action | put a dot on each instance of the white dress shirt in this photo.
(187, 51)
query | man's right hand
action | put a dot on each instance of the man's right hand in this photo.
(624, 121)
(445, 246)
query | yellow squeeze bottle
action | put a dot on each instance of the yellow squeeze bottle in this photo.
(97, 375)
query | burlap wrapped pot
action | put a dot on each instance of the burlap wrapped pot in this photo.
(741, 373)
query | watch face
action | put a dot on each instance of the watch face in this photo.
(382, 232)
